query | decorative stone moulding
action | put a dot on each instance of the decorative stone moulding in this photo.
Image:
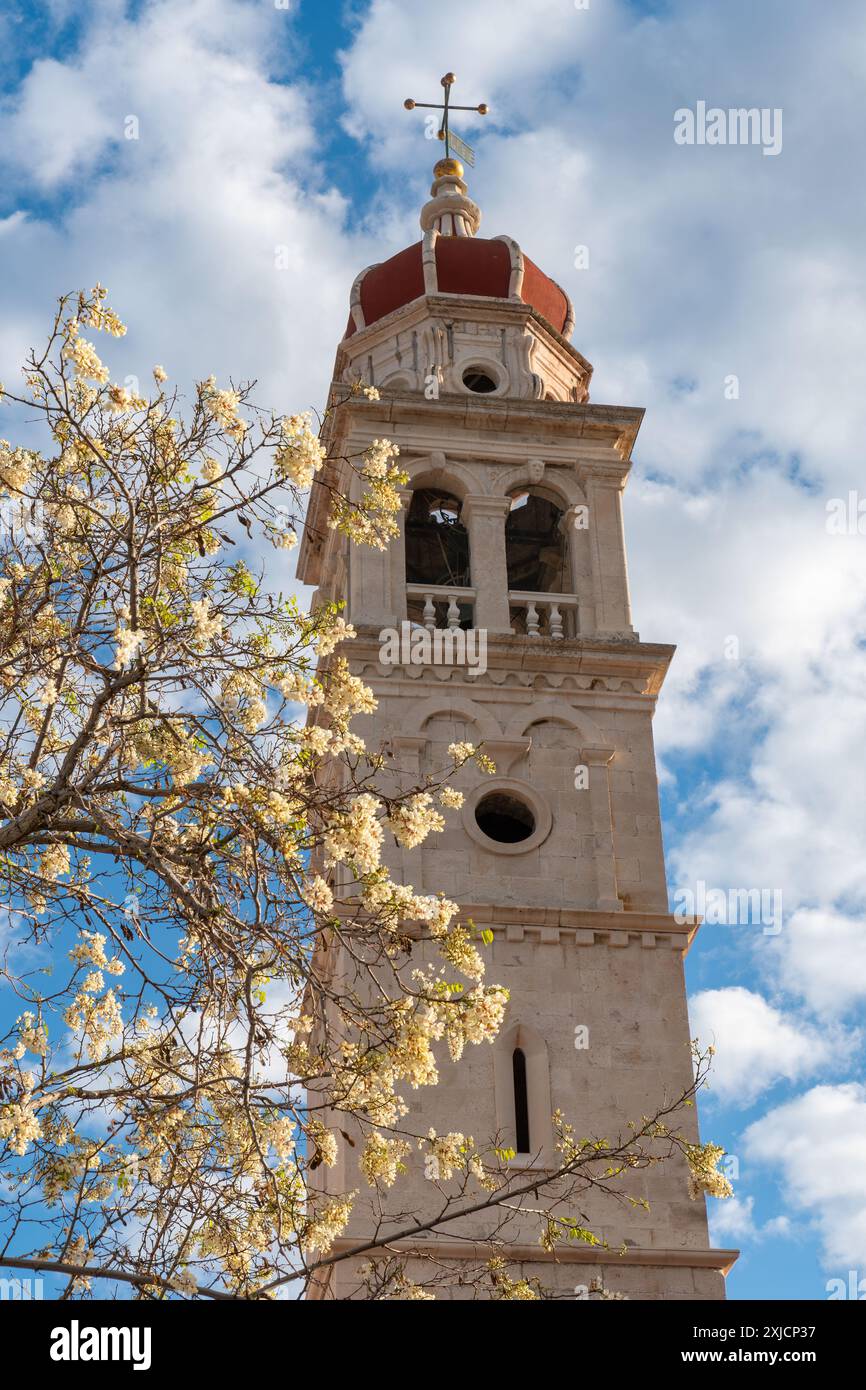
(527, 680)
(551, 926)
(686, 1257)
(567, 927)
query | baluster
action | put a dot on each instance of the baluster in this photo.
(555, 621)
(453, 613)
(532, 623)
(429, 613)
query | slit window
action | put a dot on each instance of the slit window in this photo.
(521, 1102)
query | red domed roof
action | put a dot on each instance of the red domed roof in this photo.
(464, 265)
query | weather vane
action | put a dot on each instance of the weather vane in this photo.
(452, 140)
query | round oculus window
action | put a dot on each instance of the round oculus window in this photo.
(477, 380)
(505, 818)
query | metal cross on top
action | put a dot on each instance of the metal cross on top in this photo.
(452, 140)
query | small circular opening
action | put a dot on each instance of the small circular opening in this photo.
(474, 379)
(504, 818)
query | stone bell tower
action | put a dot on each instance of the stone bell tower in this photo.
(512, 527)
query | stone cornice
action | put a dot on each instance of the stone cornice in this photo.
(634, 671)
(684, 1258)
(584, 927)
(612, 425)
(552, 926)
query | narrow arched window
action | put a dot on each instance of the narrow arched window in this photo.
(521, 1102)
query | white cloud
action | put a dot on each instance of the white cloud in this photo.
(61, 123)
(184, 223)
(816, 1144)
(756, 1044)
(791, 819)
(734, 1219)
(823, 959)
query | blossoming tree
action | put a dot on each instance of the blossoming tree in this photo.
(179, 1063)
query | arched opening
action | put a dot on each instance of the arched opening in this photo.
(521, 1102)
(536, 552)
(538, 563)
(437, 552)
(504, 818)
(437, 542)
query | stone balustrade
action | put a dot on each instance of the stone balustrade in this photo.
(532, 615)
(442, 604)
(543, 615)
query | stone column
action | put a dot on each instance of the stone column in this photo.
(574, 525)
(603, 482)
(484, 518)
(397, 562)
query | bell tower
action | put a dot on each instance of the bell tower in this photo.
(512, 530)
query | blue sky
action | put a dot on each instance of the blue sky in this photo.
(262, 128)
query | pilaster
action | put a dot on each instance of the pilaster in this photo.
(484, 518)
